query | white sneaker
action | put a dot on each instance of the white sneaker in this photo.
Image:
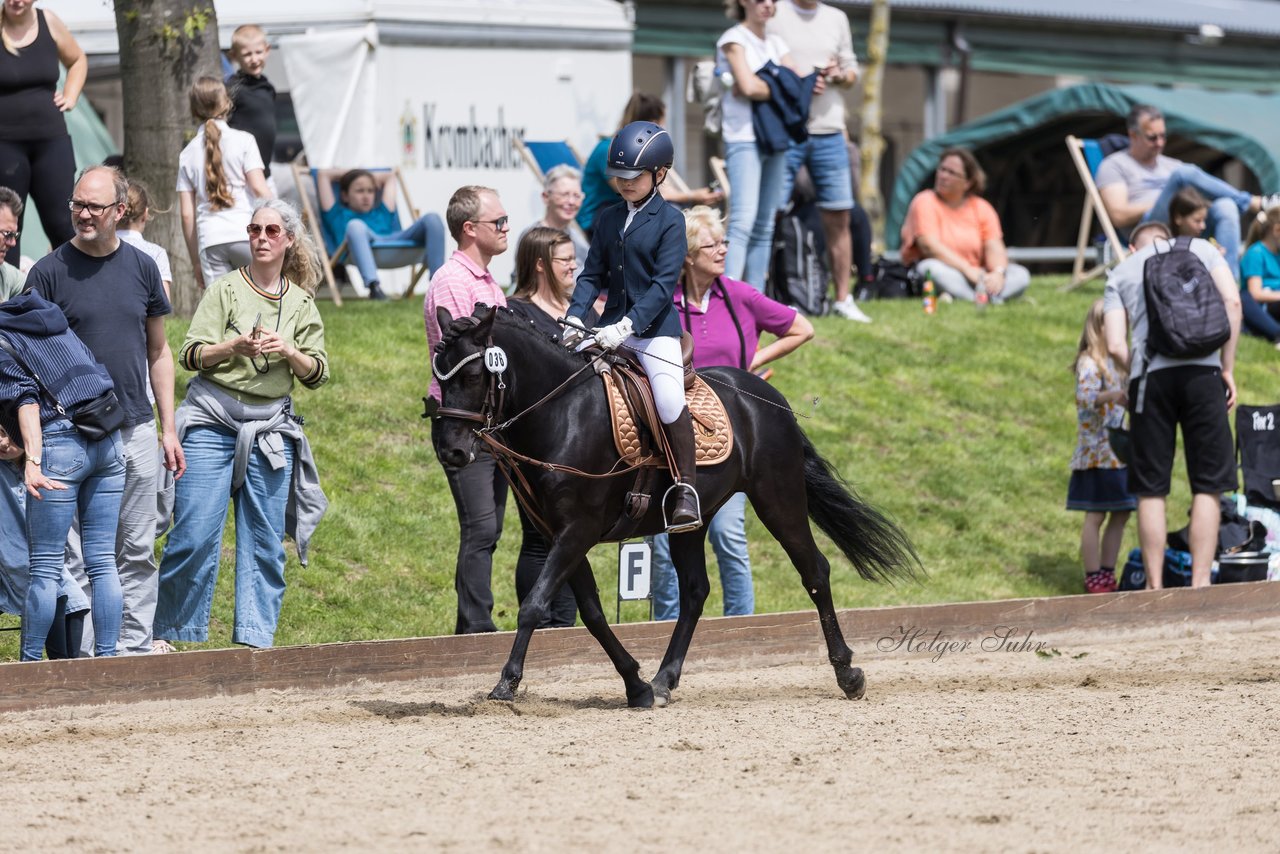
(848, 309)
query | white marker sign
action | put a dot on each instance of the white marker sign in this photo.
(633, 571)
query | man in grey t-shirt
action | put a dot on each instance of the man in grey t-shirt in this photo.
(1138, 184)
(1165, 394)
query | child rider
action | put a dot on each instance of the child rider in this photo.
(637, 251)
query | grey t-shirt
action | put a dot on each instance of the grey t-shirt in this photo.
(1124, 290)
(1144, 183)
(11, 281)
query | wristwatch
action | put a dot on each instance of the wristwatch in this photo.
(39, 462)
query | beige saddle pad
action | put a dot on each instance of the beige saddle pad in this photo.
(711, 428)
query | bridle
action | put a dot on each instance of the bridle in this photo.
(494, 395)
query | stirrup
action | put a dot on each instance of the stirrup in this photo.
(697, 508)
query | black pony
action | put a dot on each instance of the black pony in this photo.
(772, 461)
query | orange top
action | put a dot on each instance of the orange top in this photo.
(964, 230)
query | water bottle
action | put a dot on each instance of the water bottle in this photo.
(980, 296)
(930, 297)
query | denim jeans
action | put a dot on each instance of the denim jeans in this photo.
(93, 473)
(1257, 319)
(827, 157)
(728, 535)
(427, 232)
(189, 568)
(755, 183)
(15, 562)
(1226, 203)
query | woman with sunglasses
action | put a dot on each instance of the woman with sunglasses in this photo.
(254, 335)
(953, 235)
(725, 318)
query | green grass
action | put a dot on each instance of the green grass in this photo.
(959, 425)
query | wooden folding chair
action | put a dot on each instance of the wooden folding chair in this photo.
(721, 173)
(386, 252)
(1087, 156)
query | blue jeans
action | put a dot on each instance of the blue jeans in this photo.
(427, 233)
(756, 194)
(1226, 203)
(728, 535)
(189, 568)
(827, 157)
(1256, 319)
(93, 473)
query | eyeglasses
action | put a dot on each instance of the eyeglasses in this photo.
(76, 206)
(572, 259)
(273, 230)
(499, 224)
(943, 170)
(1155, 137)
(10, 235)
(566, 196)
(721, 244)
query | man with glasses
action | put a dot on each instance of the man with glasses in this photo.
(1137, 185)
(115, 303)
(479, 224)
(11, 278)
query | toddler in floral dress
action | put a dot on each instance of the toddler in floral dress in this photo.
(1098, 485)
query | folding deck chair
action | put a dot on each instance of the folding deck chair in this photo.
(1087, 155)
(388, 254)
(544, 156)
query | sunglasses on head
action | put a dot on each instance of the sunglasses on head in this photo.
(273, 230)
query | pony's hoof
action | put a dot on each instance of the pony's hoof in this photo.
(661, 695)
(642, 698)
(852, 682)
(503, 691)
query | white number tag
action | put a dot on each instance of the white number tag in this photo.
(495, 359)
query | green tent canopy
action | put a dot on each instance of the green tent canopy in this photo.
(1031, 180)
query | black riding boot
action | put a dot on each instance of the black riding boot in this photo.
(686, 512)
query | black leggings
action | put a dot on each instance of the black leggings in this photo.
(66, 633)
(45, 170)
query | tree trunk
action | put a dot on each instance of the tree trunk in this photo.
(164, 46)
(872, 139)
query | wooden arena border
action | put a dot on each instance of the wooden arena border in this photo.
(1054, 621)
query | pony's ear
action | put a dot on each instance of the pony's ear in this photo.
(443, 317)
(484, 315)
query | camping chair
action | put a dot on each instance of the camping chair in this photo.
(388, 254)
(542, 157)
(721, 174)
(1087, 154)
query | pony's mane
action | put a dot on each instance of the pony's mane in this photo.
(508, 319)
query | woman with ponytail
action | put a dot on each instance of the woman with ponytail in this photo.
(255, 334)
(217, 173)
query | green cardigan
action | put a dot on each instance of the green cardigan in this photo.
(228, 308)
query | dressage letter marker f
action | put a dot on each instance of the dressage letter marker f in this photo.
(633, 571)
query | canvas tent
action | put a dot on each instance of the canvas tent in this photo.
(1031, 180)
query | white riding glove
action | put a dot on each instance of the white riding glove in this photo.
(574, 332)
(610, 337)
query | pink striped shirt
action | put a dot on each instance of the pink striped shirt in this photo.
(458, 285)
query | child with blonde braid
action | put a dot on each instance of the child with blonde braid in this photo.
(217, 173)
(1099, 480)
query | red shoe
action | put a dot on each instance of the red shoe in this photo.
(1099, 582)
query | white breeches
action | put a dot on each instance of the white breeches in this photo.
(660, 358)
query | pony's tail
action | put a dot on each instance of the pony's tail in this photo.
(876, 547)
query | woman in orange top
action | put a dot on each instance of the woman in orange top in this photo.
(953, 234)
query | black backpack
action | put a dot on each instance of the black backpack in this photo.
(890, 280)
(1186, 318)
(798, 276)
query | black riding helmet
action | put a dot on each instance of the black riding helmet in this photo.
(639, 147)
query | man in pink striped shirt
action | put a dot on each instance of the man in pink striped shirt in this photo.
(478, 223)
